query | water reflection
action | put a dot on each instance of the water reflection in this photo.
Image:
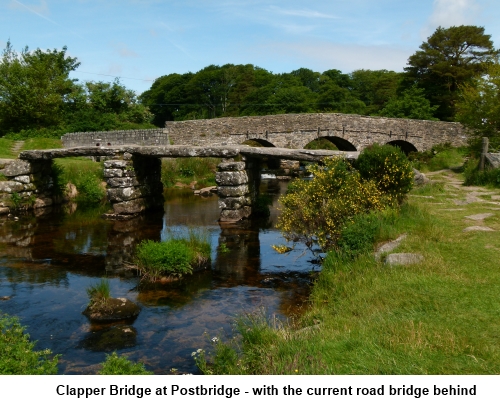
(47, 262)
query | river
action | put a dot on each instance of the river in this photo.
(48, 261)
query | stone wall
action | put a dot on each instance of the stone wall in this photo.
(29, 184)
(146, 137)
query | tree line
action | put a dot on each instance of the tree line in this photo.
(452, 75)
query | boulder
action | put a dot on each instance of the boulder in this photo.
(419, 178)
(115, 309)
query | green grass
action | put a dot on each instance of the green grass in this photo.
(436, 317)
(119, 365)
(42, 143)
(85, 174)
(177, 256)
(98, 294)
(5, 148)
(438, 158)
(17, 352)
(188, 170)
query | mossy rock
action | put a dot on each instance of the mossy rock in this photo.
(114, 309)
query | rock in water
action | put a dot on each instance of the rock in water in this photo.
(114, 309)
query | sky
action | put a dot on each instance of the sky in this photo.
(141, 40)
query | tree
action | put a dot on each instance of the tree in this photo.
(451, 57)
(411, 104)
(34, 87)
(478, 107)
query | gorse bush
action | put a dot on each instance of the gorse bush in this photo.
(173, 257)
(119, 365)
(316, 211)
(17, 354)
(389, 168)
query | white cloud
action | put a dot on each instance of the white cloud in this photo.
(447, 13)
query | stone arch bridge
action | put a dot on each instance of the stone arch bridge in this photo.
(348, 132)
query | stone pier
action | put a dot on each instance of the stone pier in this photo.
(134, 184)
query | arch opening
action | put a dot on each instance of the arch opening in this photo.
(321, 143)
(258, 143)
(340, 143)
(405, 146)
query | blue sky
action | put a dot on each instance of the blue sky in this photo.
(140, 40)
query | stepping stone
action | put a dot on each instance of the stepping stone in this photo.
(479, 217)
(495, 197)
(387, 247)
(478, 228)
(452, 209)
(403, 259)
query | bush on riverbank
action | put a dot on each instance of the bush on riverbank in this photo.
(389, 168)
(175, 257)
(17, 352)
(315, 211)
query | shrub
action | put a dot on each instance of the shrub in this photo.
(173, 257)
(17, 354)
(316, 211)
(116, 365)
(389, 168)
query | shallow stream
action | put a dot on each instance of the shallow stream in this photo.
(48, 261)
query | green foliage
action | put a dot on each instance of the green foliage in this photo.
(34, 87)
(316, 211)
(42, 143)
(450, 58)
(174, 257)
(475, 177)
(411, 104)
(17, 354)
(120, 365)
(98, 294)
(479, 108)
(389, 168)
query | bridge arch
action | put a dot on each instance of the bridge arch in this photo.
(405, 146)
(340, 143)
(258, 142)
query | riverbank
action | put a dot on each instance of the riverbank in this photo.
(439, 316)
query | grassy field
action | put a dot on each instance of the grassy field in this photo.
(365, 317)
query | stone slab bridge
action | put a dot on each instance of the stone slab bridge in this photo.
(133, 175)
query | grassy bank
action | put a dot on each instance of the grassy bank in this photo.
(198, 172)
(364, 317)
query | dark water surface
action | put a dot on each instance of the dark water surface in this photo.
(46, 263)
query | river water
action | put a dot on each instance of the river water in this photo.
(48, 261)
